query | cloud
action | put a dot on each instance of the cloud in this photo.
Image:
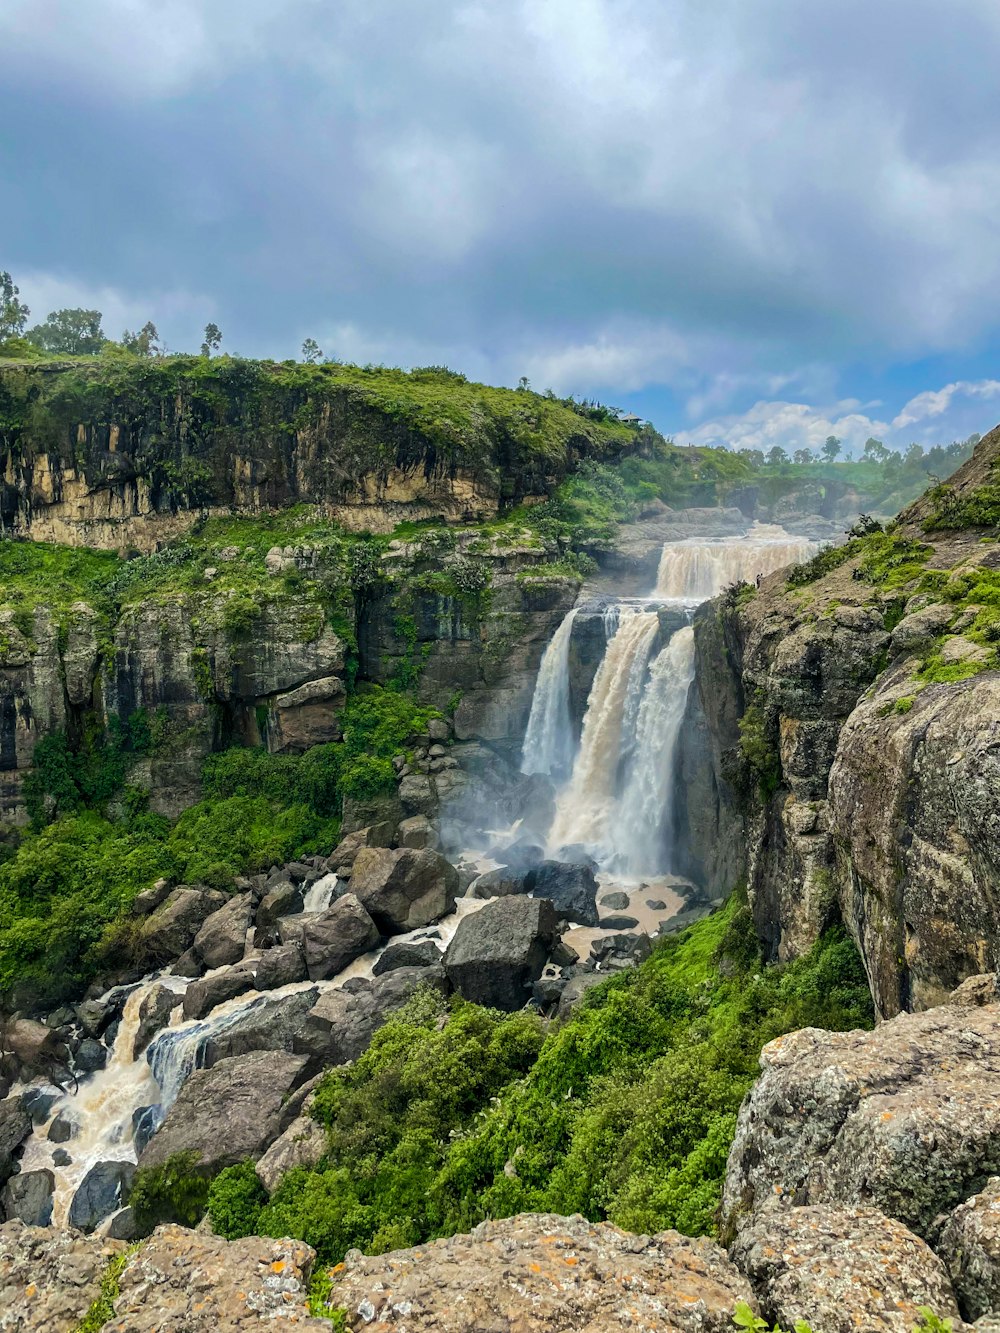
(933, 417)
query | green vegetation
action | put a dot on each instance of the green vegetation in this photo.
(174, 1191)
(626, 1111)
(744, 1317)
(65, 892)
(103, 1308)
(979, 509)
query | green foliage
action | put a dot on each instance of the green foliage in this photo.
(821, 564)
(102, 1309)
(744, 1317)
(235, 1198)
(174, 1191)
(904, 704)
(759, 751)
(64, 780)
(626, 1111)
(977, 509)
(320, 1291)
(74, 332)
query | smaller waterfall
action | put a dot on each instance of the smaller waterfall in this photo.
(585, 805)
(643, 825)
(693, 571)
(548, 742)
(319, 896)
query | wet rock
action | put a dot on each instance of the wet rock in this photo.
(969, 1244)
(201, 997)
(544, 1274)
(654, 904)
(15, 1126)
(841, 1269)
(189, 964)
(618, 922)
(284, 899)
(266, 1024)
(199, 1283)
(498, 953)
(90, 1056)
(405, 888)
(171, 929)
(145, 1122)
(524, 854)
(571, 889)
(279, 966)
(634, 949)
(62, 1129)
(49, 1278)
(417, 831)
(303, 1143)
(93, 1017)
(60, 1157)
(122, 1226)
(336, 937)
(501, 883)
(155, 1009)
(221, 941)
(418, 953)
(228, 1113)
(616, 902)
(38, 1101)
(28, 1197)
(103, 1190)
(904, 1119)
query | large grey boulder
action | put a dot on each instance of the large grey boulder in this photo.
(202, 996)
(571, 889)
(15, 1126)
(343, 1020)
(497, 953)
(341, 859)
(504, 882)
(155, 1009)
(405, 888)
(222, 939)
(905, 1119)
(841, 1269)
(171, 929)
(279, 966)
(303, 1143)
(230, 1112)
(28, 1197)
(50, 1277)
(336, 937)
(969, 1243)
(283, 899)
(104, 1189)
(412, 953)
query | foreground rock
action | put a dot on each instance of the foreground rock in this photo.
(49, 1279)
(970, 1245)
(405, 888)
(498, 953)
(830, 1267)
(183, 1280)
(542, 1273)
(230, 1112)
(905, 1119)
(336, 937)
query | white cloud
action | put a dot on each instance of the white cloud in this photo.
(937, 402)
(180, 316)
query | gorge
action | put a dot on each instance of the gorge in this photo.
(415, 829)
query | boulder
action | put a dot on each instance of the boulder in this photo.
(541, 1273)
(202, 996)
(619, 921)
(344, 1019)
(618, 902)
(497, 953)
(841, 1270)
(920, 628)
(904, 1119)
(171, 929)
(15, 1126)
(343, 855)
(155, 1009)
(416, 953)
(571, 889)
(103, 1190)
(150, 899)
(222, 939)
(200, 1283)
(122, 1226)
(417, 795)
(28, 1197)
(977, 990)
(62, 1128)
(49, 1278)
(417, 831)
(501, 883)
(284, 899)
(282, 965)
(90, 1056)
(405, 888)
(228, 1113)
(303, 1143)
(336, 937)
(576, 988)
(36, 1049)
(969, 1244)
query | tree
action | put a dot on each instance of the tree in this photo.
(754, 457)
(73, 332)
(875, 451)
(311, 351)
(524, 384)
(213, 339)
(143, 343)
(13, 313)
(802, 456)
(776, 455)
(831, 448)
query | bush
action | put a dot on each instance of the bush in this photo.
(235, 1199)
(174, 1191)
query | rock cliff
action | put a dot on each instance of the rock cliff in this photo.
(852, 709)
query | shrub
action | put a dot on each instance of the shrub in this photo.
(174, 1191)
(235, 1199)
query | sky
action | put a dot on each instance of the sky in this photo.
(754, 222)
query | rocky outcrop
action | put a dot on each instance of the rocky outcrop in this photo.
(543, 1274)
(405, 888)
(498, 953)
(49, 1278)
(969, 1244)
(904, 1119)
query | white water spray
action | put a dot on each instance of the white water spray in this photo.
(548, 742)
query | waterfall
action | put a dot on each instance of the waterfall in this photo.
(609, 727)
(319, 896)
(548, 742)
(693, 571)
(642, 831)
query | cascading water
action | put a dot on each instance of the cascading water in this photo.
(548, 741)
(694, 571)
(586, 803)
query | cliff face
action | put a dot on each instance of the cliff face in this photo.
(129, 453)
(852, 713)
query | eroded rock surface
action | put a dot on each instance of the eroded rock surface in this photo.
(536, 1273)
(969, 1243)
(49, 1279)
